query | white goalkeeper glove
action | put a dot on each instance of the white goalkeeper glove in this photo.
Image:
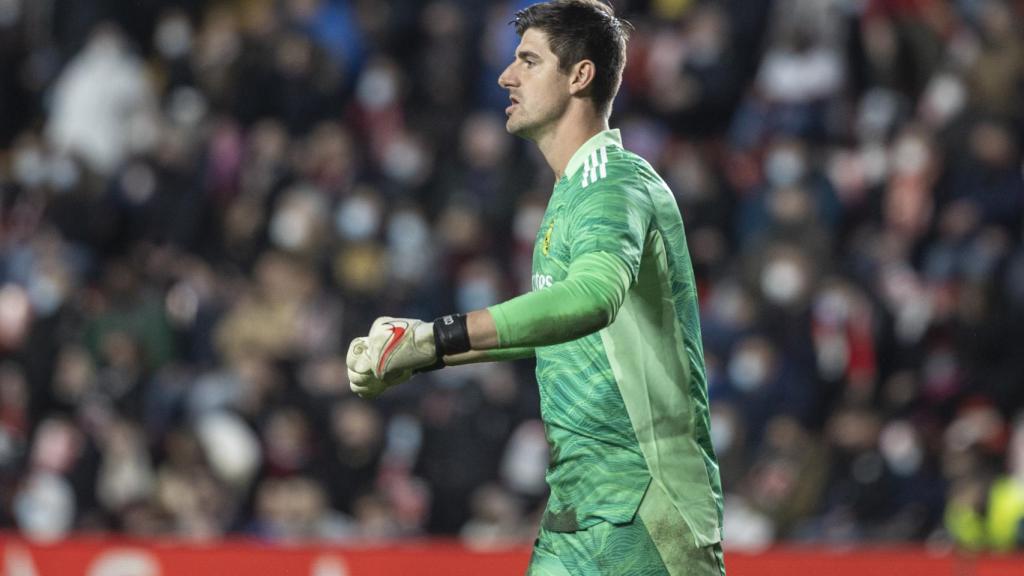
(400, 344)
(361, 378)
(397, 348)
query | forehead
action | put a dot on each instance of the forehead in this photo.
(535, 41)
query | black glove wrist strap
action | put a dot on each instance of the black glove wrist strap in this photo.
(451, 335)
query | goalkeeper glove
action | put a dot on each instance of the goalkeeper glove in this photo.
(361, 378)
(399, 344)
(396, 348)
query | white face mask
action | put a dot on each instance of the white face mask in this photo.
(45, 506)
(901, 448)
(377, 87)
(290, 228)
(748, 370)
(783, 281)
(723, 433)
(357, 218)
(910, 156)
(46, 292)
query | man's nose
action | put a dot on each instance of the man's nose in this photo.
(505, 79)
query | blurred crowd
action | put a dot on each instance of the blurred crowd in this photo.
(203, 201)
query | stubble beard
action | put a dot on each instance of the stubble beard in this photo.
(530, 128)
(516, 125)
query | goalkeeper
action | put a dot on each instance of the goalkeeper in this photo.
(612, 321)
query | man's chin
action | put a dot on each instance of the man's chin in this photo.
(517, 129)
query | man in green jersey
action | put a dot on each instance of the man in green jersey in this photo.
(612, 321)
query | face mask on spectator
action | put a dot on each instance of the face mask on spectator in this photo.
(879, 108)
(475, 294)
(407, 230)
(45, 507)
(901, 448)
(358, 218)
(783, 281)
(173, 37)
(378, 87)
(910, 156)
(46, 290)
(296, 223)
(785, 167)
(748, 368)
(723, 432)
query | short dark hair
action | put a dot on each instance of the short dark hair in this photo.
(583, 30)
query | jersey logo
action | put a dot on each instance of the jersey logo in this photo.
(545, 246)
(594, 166)
(542, 281)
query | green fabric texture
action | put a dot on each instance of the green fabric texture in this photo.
(587, 300)
(656, 542)
(614, 324)
(503, 354)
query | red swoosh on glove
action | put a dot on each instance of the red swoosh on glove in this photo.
(397, 332)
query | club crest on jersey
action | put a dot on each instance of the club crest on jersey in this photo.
(545, 246)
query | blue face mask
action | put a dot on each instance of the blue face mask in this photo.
(475, 294)
(357, 219)
(785, 167)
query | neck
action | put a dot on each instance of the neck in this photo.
(572, 130)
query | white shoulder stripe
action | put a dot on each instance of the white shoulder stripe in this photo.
(594, 166)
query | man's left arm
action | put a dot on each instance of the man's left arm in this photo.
(605, 228)
(605, 231)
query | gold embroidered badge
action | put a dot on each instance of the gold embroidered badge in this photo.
(546, 246)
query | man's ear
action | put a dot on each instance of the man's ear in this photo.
(581, 76)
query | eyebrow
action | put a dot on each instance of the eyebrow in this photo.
(524, 54)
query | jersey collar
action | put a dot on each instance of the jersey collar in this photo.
(603, 138)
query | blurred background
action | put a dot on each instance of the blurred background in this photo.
(204, 201)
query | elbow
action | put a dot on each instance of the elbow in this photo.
(604, 303)
(607, 310)
(587, 319)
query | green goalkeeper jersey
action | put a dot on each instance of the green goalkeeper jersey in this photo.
(628, 402)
